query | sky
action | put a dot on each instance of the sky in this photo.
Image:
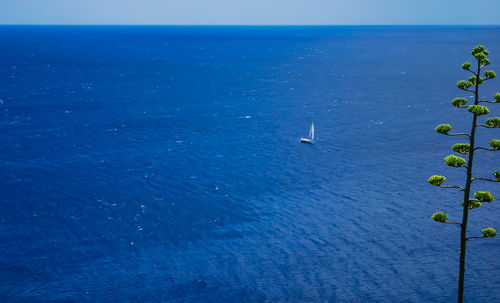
(251, 12)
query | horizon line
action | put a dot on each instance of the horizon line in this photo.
(311, 25)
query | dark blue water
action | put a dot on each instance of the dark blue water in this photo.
(162, 164)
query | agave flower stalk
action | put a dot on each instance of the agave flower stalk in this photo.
(470, 85)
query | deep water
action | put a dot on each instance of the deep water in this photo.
(162, 164)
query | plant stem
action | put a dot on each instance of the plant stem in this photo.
(490, 149)
(458, 134)
(484, 179)
(465, 214)
(475, 238)
(460, 187)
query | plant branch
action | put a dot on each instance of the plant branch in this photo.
(452, 222)
(467, 239)
(458, 134)
(485, 101)
(490, 149)
(460, 187)
(490, 180)
(485, 126)
(471, 72)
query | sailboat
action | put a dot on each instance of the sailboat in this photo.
(309, 139)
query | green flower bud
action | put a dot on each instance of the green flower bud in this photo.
(440, 217)
(478, 110)
(443, 128)
(497, 97)
(486, 52)
(461, 148)
(484, 196)
(436, 180)
(477, 50)
(497, 174)
(459, 102)
(480, 57)
(493, 122)
(454, 161)
(489, 232)
(463, 84)
(486, 61)
(489, 74)
(466, 65)
(473, 204)
(495, 144)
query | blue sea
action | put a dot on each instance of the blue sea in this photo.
(163, 164)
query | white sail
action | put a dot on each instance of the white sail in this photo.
(311, 132)
(309, 139)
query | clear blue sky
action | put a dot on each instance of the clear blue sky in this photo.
(272, 12)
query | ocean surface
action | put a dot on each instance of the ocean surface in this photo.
(163, 164)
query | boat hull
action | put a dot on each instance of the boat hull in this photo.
(306, 140)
